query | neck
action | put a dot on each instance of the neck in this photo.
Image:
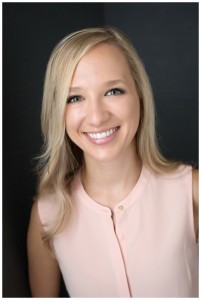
(111, 180)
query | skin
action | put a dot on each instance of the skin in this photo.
(112, 166)
(196, 202)
(103, 96)
(44, 274)
(98, 106)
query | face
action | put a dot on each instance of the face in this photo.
(103, 110)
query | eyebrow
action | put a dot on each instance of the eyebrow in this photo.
(110, 82)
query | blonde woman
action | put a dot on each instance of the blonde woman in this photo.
(111, 215)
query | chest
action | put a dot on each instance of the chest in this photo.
(148, 244)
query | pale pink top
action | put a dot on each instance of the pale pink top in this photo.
(147, 249)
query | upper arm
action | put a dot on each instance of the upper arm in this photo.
(44, 274)
(195, 201)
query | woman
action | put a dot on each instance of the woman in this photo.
(111, 214)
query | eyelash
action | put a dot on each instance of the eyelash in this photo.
(69, 99)
(119, 90)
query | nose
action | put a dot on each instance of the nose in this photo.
(97, 112)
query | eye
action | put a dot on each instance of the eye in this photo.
(74, 99)
(114, 92)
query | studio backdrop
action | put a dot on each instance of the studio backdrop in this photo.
(166, 38)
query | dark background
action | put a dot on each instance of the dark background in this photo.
(166, 37)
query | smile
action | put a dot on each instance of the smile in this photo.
(103, 134)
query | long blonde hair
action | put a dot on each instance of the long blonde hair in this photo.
(61, 158)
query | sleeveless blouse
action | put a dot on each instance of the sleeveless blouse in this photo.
(146, 248)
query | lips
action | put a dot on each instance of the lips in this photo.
(102, 136)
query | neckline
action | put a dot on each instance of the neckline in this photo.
(122, 205)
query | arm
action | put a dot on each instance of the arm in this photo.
(44, 274)
(195, 202)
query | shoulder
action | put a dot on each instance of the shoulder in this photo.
(195, 184)
(34, 218)
(47, 206)
(195, 180)
(177, 172)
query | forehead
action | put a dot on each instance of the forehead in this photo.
(103, 60)
(103, 52)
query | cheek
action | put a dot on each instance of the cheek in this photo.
(131, 111)
(136, 112)
(71, 121)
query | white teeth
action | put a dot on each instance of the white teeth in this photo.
(102, 135)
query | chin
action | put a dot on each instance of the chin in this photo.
(106, 157)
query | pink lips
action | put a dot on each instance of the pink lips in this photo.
(103, 137)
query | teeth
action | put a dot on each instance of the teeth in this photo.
(102, 135)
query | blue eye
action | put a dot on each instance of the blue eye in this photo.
(74, 99)
(115, 91)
